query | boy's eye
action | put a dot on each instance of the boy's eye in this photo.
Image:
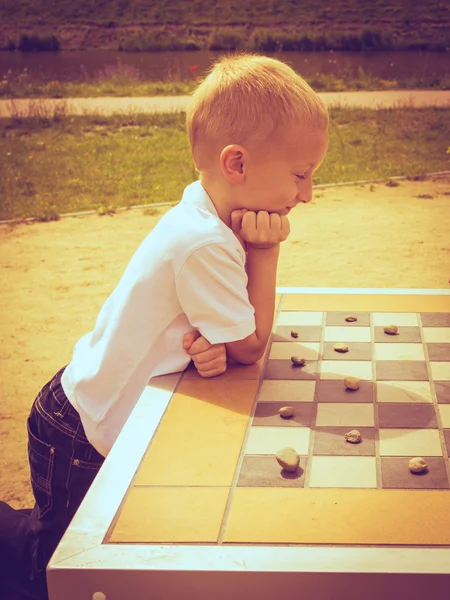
(300, 176)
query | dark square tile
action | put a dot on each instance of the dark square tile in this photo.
(438, 351)
(356, 351)
(406, 415)
(287, 392)
(447, 439)
(337, 319)
(404, 335)
(436, 319)
(284, 369)
(306, 333)
(442, 391)
(267, 414)
(335, 391)
(395, 474)
(330, 441)
(401, 370)
(264, 471)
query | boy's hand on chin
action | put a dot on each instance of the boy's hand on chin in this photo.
(260, 229)
(210, 360)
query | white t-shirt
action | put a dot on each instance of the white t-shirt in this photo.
(188, 273)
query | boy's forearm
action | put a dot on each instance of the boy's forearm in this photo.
(261, 267)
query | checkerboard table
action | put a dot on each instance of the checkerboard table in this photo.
(402, 407)
(192, 487)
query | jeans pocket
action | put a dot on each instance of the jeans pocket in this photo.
(41, 457)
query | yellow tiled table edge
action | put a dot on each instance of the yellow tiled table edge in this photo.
(181, 489)
(188, 478)
(339, 516)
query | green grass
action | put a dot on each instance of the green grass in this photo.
(50, 166)
(125, 80)
(260, 39)
(208, 24)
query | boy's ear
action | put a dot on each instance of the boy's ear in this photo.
(232, 162)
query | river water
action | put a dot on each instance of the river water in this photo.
(83, 65)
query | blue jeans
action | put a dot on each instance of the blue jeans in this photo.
(63, 465)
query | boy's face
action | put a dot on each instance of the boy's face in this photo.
(282, 178)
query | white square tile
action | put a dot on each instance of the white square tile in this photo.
(281, 390)
(400, 319)
(399, 351)
(410, 442)
(339, 369)
(403, 391)
(347, 334)
(444, 410)
(436, 334)
(343, 472)
(269, 440)
(284, 350)
(440, 371)
(341, 414)
(292, 317)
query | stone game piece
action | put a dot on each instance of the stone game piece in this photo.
(286, 412)
(297, 361)
(351, 383)
(340, 347)
(417, 465)
(288, 459)
(391, 329)
(353, 436)
(294, 333)
(350, 319)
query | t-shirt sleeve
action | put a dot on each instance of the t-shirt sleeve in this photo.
(212, 291)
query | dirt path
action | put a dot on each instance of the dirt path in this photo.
(109, 106)
(55, 277)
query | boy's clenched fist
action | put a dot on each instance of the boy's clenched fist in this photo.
(209, 359)
(260, 229)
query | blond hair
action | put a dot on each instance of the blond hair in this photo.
(245, 99)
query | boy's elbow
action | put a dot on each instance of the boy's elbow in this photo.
(246, 360)
(245, 352)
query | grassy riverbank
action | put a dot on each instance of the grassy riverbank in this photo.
(228, 11)
(50, 166)
(125, 80)
(149, 25)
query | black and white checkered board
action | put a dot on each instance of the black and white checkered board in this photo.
(402, 408)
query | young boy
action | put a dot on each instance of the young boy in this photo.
(201, 286)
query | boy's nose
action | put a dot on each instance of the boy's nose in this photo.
(307, 193)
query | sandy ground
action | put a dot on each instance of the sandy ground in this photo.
(55, 277)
